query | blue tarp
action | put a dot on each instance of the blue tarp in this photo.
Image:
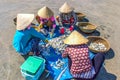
(52, 57)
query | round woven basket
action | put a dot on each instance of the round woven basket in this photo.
(98, 39)
(15, 20)
(87, 27)
(80, 15)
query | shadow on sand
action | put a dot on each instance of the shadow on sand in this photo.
(104, 75)
(95, 33)
(83, 20)
(110, 54)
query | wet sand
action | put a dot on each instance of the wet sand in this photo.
(105, 14)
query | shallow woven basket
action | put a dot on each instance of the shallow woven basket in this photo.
(89, 27)
(98, 39)
(15, 20)
(80, 15)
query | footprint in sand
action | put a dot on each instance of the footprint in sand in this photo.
(105, 31)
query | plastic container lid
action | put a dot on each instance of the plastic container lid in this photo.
(32, 64)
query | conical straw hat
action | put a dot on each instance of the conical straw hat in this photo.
(65, 8)
(24, 20)
(75, 38)
(45, 12)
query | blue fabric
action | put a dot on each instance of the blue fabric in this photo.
(67, 74)
(22, 38)
(56, 33)
(66, 25)
(91, 54)
(52, 58)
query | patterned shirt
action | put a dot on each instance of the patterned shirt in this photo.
(79, 56)
(70, 18)
(47, 23)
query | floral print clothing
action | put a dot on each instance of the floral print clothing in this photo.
(69, 18)
(80, 58)
(67, 22)
(47, 23)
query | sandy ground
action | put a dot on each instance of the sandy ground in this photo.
(104, 13)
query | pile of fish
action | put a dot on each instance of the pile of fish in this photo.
(57, 43)
(58, 64)
(98, 46)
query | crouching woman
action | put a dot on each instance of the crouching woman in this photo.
(67, 18)
(80, 64)
(24, 40)
(46, 20)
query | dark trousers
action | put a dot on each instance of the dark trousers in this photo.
(98, 61)
(97, 64)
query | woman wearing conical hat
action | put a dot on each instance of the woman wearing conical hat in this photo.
(46, 20)
(23, 40)
(80, 64)
(67, 18)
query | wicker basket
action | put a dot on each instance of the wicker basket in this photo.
(80, 15)
(87, 27)
(15, 20)
(98, 39)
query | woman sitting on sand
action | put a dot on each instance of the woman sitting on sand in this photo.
(80, 64)
(67, 18)
(46, 21)
(24, 38)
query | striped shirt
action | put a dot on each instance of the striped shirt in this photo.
(88, 74)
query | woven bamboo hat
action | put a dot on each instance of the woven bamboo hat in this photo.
(45, 12)
(65, 8)
(24, 20)
(75, 38)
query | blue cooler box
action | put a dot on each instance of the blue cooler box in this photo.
(32, 68)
